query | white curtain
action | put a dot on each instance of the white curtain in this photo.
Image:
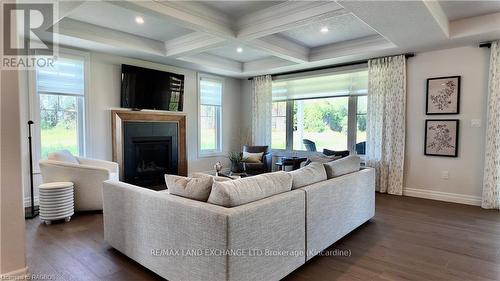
(261, 110)
(386, 122)
(491, 181)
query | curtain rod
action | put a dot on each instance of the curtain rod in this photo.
(407, 55)
(485, 45)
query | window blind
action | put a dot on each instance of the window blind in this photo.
(210, 92)
(66, 77)
(352, 82)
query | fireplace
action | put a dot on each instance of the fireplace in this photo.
(151, 159)
(147, 146)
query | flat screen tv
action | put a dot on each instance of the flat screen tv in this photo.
(144, 88)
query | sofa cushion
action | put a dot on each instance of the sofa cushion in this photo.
(312, 173)
(63, 156)
(245, 190)
(192, 188)
(253, 157)
(342, 166)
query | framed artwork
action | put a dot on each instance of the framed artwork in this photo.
(443, 95)
(441, 137)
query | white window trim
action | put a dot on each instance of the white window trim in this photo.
(220, 150)
(34, 106)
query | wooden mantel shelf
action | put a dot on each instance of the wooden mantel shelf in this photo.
(118, 117)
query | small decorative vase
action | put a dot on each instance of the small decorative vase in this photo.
(218, 168)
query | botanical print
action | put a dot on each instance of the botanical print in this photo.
(441, 137)
(443, 95)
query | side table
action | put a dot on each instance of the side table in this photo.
(290, 161)
(56, 201)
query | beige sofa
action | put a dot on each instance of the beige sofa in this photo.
(184, 239)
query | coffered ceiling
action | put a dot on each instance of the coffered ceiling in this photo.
(247, 38)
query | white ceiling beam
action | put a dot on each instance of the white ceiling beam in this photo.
(439, 16)
(286, 16)
(184, 14)
(475, 26)
(265, 65)
(191, 44)
(111, 37)
(351, 47)
(281, 48)
(215, 62)
(62, 10)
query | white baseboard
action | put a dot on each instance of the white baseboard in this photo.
(19, 274)
(442, 196)
(27, 201)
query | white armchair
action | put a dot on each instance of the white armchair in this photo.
(86, 174)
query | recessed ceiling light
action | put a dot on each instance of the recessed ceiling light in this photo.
(139, 20)
(239, 49)
(324, 29)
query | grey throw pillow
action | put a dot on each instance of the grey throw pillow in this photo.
(312, 173)
(192, 188)
(245, 190)
(346, 165)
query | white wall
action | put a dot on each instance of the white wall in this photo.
(423, 173)
(104, 94)
(12, 227)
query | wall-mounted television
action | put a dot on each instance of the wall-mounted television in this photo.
(144, 88)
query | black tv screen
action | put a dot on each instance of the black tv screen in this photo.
(144, 88)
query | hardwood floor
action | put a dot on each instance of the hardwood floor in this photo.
(408, 239)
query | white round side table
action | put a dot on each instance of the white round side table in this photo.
(56, 201)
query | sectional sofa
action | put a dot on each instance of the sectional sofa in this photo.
(257, 228)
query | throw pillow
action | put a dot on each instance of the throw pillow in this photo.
(312, 173)
(245, 190)
(342, 166)
(63, 156)
(192, 188)
(253, 157)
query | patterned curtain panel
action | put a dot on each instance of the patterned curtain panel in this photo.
(491, 182)
(261, 110)
(386, 122)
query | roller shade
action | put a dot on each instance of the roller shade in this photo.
(210, 92)
(354, 82)
(66, 77)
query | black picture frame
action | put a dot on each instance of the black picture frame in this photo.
(457, 129)
(457, 110)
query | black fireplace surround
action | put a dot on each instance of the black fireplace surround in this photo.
(150, 152)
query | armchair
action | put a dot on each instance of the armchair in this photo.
(86, 174)
(259, 168)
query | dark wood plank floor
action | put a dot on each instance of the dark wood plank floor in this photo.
(409, 239)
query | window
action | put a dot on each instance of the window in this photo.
(329, 110)
(279, 125)
(60, 92)
(361, 107)
(210, 135)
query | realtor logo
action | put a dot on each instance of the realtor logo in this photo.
(27, 35)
